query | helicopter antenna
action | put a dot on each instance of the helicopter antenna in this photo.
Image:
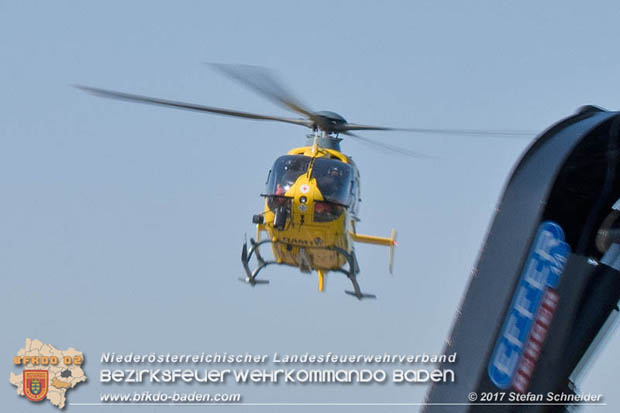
(315, 145)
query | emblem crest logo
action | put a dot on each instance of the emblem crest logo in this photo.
(36, 384)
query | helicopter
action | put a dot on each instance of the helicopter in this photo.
(312, 194)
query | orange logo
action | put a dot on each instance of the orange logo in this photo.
(35, 384)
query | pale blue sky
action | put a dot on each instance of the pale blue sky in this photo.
(121, 224)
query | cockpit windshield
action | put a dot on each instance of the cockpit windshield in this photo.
(334, 179)
(285, 172)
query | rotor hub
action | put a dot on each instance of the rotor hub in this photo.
(327, 121)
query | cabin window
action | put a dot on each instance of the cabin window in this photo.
(327, 211)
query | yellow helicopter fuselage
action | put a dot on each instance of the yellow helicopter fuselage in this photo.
(305, 231)
(311, 204)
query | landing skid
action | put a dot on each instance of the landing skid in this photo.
(251, 276)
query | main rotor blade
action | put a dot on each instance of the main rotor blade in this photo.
(388, 147)
(468, 132)
(264, 82)
(188, 106)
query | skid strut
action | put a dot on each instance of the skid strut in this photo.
(251, 276)
(245, 260)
